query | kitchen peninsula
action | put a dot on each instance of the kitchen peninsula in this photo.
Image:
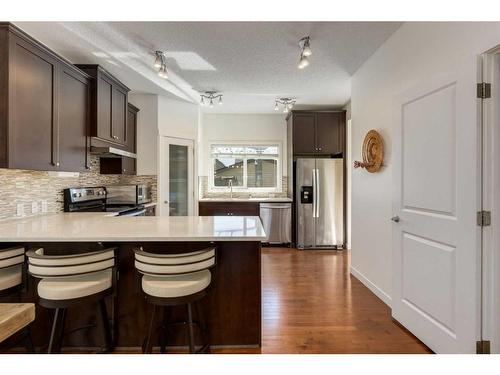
(233, 304)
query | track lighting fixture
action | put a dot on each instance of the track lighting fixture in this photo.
(210, 96)
(287, 104)
(160, 64)
(305, 52)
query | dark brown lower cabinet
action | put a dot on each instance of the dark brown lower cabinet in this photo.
(118, 165)
(229, 208)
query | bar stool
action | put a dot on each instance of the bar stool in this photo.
(70, 280)
(173, 280)
(13, 283)
(12, 270)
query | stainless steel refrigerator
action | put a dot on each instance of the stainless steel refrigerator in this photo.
(320, 203)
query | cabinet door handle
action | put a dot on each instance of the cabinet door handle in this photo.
(58, 164)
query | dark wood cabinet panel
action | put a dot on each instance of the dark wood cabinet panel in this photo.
(44, 104)
(316, 133)
(118, 165)
(109, 107)
(32, 107)
(131, 139)
(74, 103)
(328, 133)
(303, 133)
(129, 166)
(119, 115)
(228, 209)
(104, 129)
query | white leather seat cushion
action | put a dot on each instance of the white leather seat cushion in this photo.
(176, 285)
(10, 277)
(68, 287)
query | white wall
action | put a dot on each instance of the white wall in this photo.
(240, 127)
(177, 118)
(147, 132)
(415, 52)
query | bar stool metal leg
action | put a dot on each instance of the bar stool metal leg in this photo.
(108, 342)
(205, 335)
(148, 348)
(190, 328)
(163, 332)
(56, 335)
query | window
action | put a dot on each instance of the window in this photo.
(246, 167)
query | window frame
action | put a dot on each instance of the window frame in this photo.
(223, 189)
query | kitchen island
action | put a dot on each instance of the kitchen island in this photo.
(232, 306)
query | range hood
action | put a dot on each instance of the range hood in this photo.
(111, 152)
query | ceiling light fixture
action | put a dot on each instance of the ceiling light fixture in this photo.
(160, 64)
(305, 52)
(210, 96)
(287, 104)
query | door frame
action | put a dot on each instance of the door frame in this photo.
(163, 174)
(489, 115)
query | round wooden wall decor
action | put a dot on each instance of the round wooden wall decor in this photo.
(373, 152)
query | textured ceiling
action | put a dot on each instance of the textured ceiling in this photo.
(252, 63)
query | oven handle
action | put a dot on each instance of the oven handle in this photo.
(134, 213)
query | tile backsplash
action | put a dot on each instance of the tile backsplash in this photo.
(204, 193)
(24, 187)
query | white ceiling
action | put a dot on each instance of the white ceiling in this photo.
(251, 63)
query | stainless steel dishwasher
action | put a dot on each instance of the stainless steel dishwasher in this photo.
(277, 222)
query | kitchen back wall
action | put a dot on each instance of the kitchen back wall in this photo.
(21, 186)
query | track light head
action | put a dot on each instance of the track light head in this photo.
(303, 62)
(158, 60)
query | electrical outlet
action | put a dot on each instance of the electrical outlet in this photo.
(20, 209)
(44, 206)
(34, 207)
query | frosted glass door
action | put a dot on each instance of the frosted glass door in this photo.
(177, 176)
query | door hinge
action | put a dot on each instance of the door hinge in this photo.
(483, 347)
(484, 90)
(484, 218)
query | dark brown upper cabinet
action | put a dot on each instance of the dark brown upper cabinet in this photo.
(118, 165)
(109, 107)
(317, 132)
(304, 138)
(131, 137)
(44, 106)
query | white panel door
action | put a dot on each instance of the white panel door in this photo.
(435, 236)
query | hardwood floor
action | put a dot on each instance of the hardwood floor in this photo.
(311, 304)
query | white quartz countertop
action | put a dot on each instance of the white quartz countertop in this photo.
(68, 227)
(246, 199)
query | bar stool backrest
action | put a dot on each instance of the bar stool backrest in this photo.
(45, 266)
(11, 257)
(174, 264)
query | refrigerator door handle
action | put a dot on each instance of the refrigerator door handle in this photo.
(317, 193)
(314, 192)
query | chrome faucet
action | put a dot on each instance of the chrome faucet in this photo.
(230, 183)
